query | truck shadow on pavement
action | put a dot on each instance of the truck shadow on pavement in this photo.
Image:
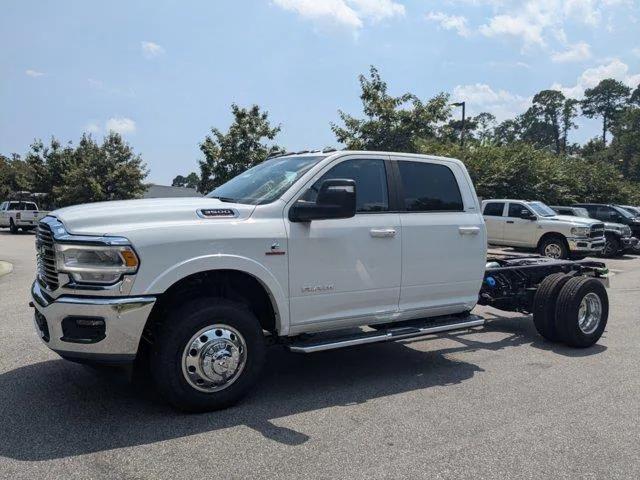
(57, 409)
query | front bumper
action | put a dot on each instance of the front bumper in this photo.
(123, 318)
(586, 245)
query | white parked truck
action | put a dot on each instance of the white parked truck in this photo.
(19, 214)
(536, 226)
(288, 251)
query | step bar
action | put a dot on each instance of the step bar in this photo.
(398, 333)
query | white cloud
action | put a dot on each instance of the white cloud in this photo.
(535, 22)
(121, 125)
(347, 13)
(450, 22)
(481, 97)
(574, 53)
(592, 76)
(151, 50)
(33, 73)
(517, 26)
(636, 51)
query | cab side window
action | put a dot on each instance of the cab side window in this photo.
(371, 184)
(515, 210)
(493, 209)
(429, 187)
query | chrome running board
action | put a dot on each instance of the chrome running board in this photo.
(431, 327)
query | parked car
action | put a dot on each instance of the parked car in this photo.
(615, 214)
(632, 210)
(618, 237)
(535, 226)
(291, 252)
(19, 214)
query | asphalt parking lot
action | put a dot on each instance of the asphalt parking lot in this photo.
(493, 403)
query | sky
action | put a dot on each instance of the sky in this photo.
(162, 73)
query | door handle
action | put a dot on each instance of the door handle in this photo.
(382, 232)
(510, 221)
(468, 230)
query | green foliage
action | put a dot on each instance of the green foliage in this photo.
(625, 147)
(90, 172)
(190, 181)
(606, 100)
(521, 171)
(242, 147)
(14, 176)
(391, 123)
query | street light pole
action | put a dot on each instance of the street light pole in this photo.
(463, 105)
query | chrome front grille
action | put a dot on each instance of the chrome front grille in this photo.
(46, 257)
(597, 230)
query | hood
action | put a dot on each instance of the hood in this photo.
(110, 218)
(578, 221)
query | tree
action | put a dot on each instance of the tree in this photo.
(485, 126)
(390, 123)
(243, 146)
(89, 172)
(635, 97)
(625, 146)
(569, 112)
(190, 181)
(606, 100)
(550, 104)
(14, 176)
(508, 131)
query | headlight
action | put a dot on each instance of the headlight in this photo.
(580, 231)
(96, 264)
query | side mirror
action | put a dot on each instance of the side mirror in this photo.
(527, 215)
(336, 199)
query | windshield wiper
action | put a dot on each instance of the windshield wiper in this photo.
(225, 199)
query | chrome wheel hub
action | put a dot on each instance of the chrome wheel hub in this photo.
(589, 313)
(214, 358)
(553, 250)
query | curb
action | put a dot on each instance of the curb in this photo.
(5, 268)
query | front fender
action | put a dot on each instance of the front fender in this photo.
(228, 262)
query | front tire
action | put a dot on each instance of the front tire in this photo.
(582, 311)
(207, 354)
(554, 247)
(611, 247)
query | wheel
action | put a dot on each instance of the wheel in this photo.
(208, 353)
(611, 246)
(582, 311)
(12, 227)
(554, 247)
(544, 305)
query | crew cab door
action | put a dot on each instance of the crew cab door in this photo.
(346, 272)
(520, 230)
(493, 213)
(444, 239)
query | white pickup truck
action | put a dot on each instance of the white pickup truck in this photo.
(296, 251)
(536, 226)
(20, 215)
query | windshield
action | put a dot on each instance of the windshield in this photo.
(632, 210)
(265, 182)
(623, 212)
(581, 212)
(542, 209)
